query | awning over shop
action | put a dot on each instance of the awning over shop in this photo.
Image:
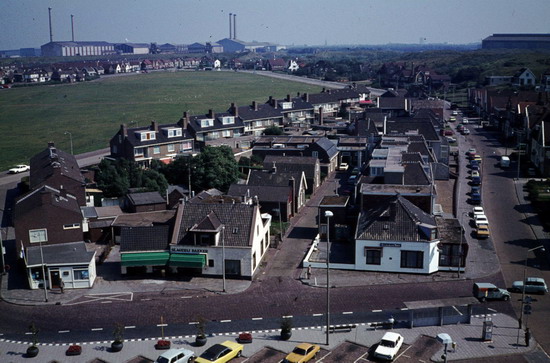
(144, 259)
(187, 260)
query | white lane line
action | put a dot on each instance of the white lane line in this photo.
(317, 314)
(63, 331)
(97, 329)
(193, 323)
(130, 327)
(186, 297)
(376, 311)
(159, 325)
(287, 316)
(493, 310)
(106, 302)
(225, 321)
(257, 318)
(403, 309)
(347, 312)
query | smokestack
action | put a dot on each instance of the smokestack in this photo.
(234, 26)
(72, 26)
(50, 18)
(230, 29)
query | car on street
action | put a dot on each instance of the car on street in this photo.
(475, 173)
(465, 120)
(475, 167)
(176, 356)
(471, 151)
(533, 285)
(465, 131)
(476, 180)
(477, 211)
(477, 158)
(21, 168)
(221, 353)
(459, 127)
(451, 139)
(487, 291)
(482, 231)
(355, 171)
(475, 198)
(343, 166)
(389, 346)
(481, 219)
(352, 180)
(303, 352)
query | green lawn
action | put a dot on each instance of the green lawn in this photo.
(93, 111)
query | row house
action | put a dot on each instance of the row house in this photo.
(159, 142)
(538, 137)
(331, 102)
(296, 111)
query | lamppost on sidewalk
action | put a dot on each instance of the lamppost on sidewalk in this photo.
(541, 247)
(71, 139)
(462, 231)
(328, 215)
(223, 257)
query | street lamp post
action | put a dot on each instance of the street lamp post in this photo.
(223, 257)
(328, 215)
(71, 139)
(43, 273)
(523, 288)
(462, 231)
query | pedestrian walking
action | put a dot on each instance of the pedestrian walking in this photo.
(62, 286)
(527, 337)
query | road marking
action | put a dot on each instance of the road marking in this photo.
(97, 329)
(28, 333)
(130, 327)
(193, 323)
(403, 309)
(376, 311)
(159, 325)
(458, 311)
(493, 310)
(317, 314)
(347, 312)
(63, 331)
(257, 318)
(287, 316)
(225, 321)
(105, 298)
(186, 297)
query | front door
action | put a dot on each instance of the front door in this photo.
(54, 279)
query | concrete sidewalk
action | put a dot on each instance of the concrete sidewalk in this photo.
(467, 337)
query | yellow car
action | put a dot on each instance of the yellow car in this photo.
(483, 231)
(302, 353)
(221, 353)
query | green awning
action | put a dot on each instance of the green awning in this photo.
(187, 260)
(144, 259)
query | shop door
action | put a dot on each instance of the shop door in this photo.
(54, 279)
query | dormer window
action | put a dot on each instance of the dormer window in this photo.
(206, 122)
(173, 132)
(228, 120)
(146, 135)
(286, 105)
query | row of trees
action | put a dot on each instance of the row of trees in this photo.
(214, 167)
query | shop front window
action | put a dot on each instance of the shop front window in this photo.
(81, 274)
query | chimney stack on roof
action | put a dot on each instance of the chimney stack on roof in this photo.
(124, 130)
(210, 113)
(234, 110)
(154, 126)
(255, 105)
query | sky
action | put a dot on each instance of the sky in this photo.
(287, 22)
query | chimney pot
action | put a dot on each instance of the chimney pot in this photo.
(210, 113)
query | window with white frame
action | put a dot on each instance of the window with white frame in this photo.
(174, 132)
(171, 148)
(207, 122)
(228, 120)
(226, 133)
(71, 226)
(156, 149)
(38, 235)
(187, 145)
(138, 151)
(81, 274)
(148, 135)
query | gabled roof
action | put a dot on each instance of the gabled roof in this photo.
(52, 161)
(46, 196)
(258, 111)
(63, 253)
(265, 193)
(394, 219)
(332, 96)
(144, 219)
(161, 137)
(237, 218)
(145, 198)
(404, 125)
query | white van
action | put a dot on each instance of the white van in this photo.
(504, 162)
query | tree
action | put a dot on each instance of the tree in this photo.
(273, 130)
(214, 167)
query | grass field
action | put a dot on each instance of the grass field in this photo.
(93, 111)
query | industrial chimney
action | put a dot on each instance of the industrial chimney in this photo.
(50, 18)
(234, 26)
(72, 26)
(230, 29)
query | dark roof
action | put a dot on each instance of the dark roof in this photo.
(258, 111)
(194, 122)
(52, 161)
(278, 194)
(62, 253)
(279, 178)
(393, 219)
(327, 145)
(161, 137)
(415, 175)
(406, 125)
(393, 103)
(298, 104)
(43, 196)
(144, 219)
(238, 219)
(154, 238)
(145, 198)
(332, 96)
(204, 195)
(292, 164)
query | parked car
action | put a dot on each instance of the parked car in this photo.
(476, 180)
(533, 285)
(343, 166)
(356, 171)
(477, 210)
(352, 180)
(471, 151)
(475, 167)
(504, 162)
(19, 169)
(459, 127)
(481, 219)
(176, 356)
(475, 198)
(465, 120)
(475, 173)
(482, 231)
(451, 139)
(486, 291)
(465, 131)
(389, 346)
(303, 352)
(221, 353)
